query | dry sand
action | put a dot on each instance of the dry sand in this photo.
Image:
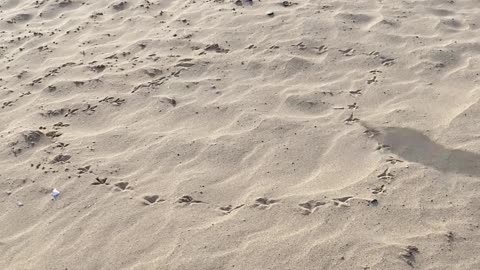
(239, 135)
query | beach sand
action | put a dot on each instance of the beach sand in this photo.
(239, 134)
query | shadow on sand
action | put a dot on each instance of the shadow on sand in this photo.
(414, 146)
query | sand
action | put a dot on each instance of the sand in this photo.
(239, 134)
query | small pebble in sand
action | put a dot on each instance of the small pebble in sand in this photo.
(55, 194)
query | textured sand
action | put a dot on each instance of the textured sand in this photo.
(239, 135)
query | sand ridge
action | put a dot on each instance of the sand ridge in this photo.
(239, 134)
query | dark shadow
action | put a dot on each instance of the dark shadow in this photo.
(414, 146)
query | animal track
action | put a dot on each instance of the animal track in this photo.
(327, 93)
(32, 137)
(300, 46)
(387, 61)
(186, 62)
(372, 80)
(98, 68)
(156, 82)
(83, 170)
(61, 158)
(120, 6)
(409, 254)
(62, 145)
(322, 49)
(310, 206)
(151, 199)
(392, 160)
(287, 4)
(379, 190)
(26, 140)
(113, 101)
(450, 236)
(370, 132)
(373, 202)
(25, 94)
(356, 93)
(216, 48)
(244, 2)
(100, 181)
(347, 52)
(170, 101)
(52, 113)
(90, 109)
(264, 203)
(384, 60)
(70, 112)
(351, 119)
(385, 175)
(153, 72)
(188, 200)
(122, 185)
(352, 106)
(7, 104)
(383, 146)
(229, 208)
(60, 125)
(53, 134)
(342, 201)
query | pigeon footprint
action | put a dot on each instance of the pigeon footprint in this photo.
(351, 119)
(229, 208)
(322, 49)
(347, 52)
(310, 206)
(122, 186)
(264, 203)
(409, 254)
(100, 181)
(385, 175)
(188, 200)
(342, 201)
(151, 199)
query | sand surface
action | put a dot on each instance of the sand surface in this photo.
(239, 134)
